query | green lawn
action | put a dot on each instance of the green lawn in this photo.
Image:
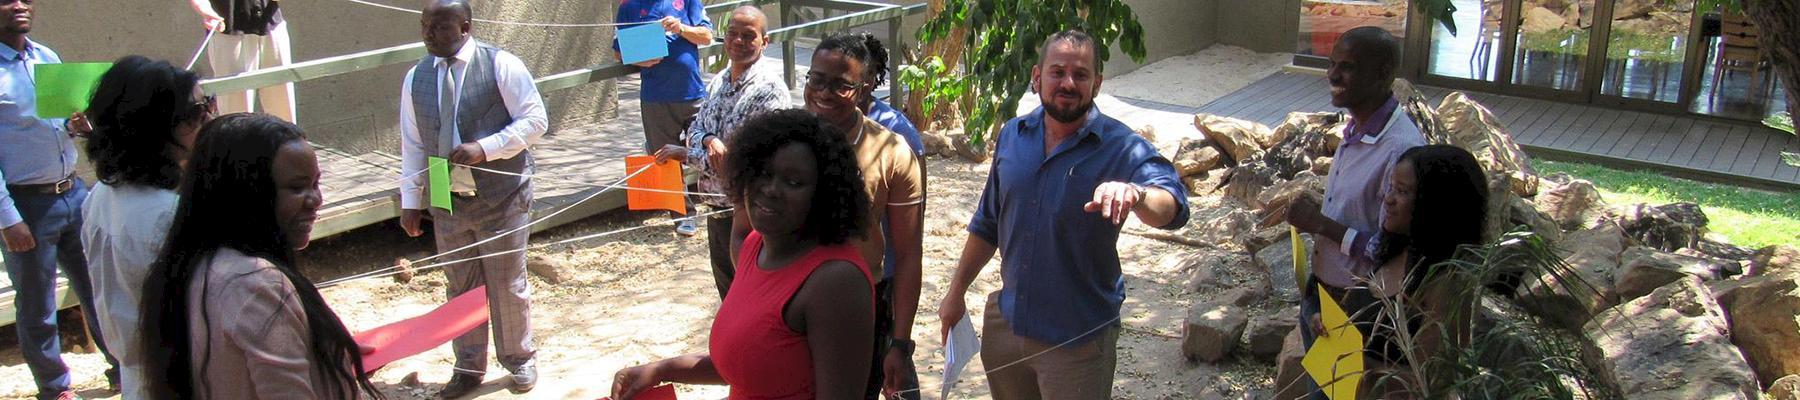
(1747, 217)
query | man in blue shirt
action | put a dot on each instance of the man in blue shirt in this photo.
(40, 205)
(1063, 180)
(672, 88)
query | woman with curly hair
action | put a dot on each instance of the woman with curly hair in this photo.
(797, 321)
(227, 314)
(145, 115)
(1437, 204)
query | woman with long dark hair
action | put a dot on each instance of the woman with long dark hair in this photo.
(1437, 205)
(227, 314)
(145, 114)
(797, 321)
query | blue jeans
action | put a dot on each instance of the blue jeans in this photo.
(55, 222)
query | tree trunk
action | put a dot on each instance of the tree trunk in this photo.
(950, 49)
(1779, 22)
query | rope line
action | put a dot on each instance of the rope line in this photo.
(513, 23)
(589, 184)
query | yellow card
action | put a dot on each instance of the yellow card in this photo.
(1300, 272)
(1335, 360)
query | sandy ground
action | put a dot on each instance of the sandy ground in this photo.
(648, 294)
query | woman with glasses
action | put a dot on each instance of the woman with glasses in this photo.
(227, 314)
(144, 115)
(797, 321)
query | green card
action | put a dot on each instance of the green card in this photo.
(64, 89)
(440, 182)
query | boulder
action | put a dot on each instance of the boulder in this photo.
(1773, 258)
(1643, 269)
(1315, 133)
(1765, 322)
(1541, 20)
(1245, 182)
(1570, 299)
(1471, 126)
(1518, 211)
(1273, 202)
(1264, 335)
(1277, 260)
(1232, 227)
(936, 142)
(1148, 132)
(1197, 156)
(1667, 227)
(1212, 331)
(1289, 373)
(1786, 388)
(1239, 139)
(1670, 344)
(1242, 296)
(1423, 114)
(1321, 166)
(1574, 205)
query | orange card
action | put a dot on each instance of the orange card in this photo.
(418, 334)
(663, 181)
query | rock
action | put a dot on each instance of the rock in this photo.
(1643, 269)
(1670, 344)
(1148, 132)
(547, 269)
(1316, 133)
(1765, 322)
(1772, 259)
(1288, 370)
(936, 142)
(1242, 297)
(960, 143)
(1541, 20)
(1667, 227)
(1238, 138)
(1786, 388)
(1264, 335)
(1321, 166)
(411, 380)
(1571, 299)
(1212, 331)
(1245, 182)
(1272, 203)
(1521, 212)
(1471, 126)
(1574, 205)
(1277, 260)
(1197, 156)
(1232, 227)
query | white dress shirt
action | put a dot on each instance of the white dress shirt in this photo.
(517, 91)
(121, 236)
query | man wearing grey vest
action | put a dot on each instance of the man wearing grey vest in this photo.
(475, 105)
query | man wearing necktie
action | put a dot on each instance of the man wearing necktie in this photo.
(475, 105)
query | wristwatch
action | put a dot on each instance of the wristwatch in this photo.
(905, 345)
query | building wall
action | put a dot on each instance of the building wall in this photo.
(1269, 26)
(355, 111)
(1171, 28)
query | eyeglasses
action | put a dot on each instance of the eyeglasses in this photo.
(839, 87)
(207, 106)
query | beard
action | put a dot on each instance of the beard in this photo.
(1068, 115)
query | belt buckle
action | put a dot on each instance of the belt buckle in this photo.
(64, 185)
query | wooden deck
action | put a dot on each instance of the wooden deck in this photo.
(1692, 147)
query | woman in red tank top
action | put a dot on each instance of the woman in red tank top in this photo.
(797, 321)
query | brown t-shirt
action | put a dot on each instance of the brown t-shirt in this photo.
(891, 177)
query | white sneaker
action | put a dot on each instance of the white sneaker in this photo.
(687, 228)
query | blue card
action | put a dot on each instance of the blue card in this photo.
(643, 42)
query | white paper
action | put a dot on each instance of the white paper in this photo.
(959, 349)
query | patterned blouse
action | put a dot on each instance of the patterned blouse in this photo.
(727, 105)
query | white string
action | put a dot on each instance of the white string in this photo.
(591, 184)
(396, 270)
(203, 42)
(514, 23)
(502, 234)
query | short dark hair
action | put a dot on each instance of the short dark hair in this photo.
(1071, 36)
(1374, 43)
(135, 111)
(461, 6)
(839, 203)
(863, 47)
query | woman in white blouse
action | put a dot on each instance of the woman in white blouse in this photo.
(145, 114)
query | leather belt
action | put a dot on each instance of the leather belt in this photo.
(468, 194)
(60, 187)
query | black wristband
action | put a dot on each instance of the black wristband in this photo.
(904, 345)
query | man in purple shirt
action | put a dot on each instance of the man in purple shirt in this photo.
(1063, 180)
(1347, 226)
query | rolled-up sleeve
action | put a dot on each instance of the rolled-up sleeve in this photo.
(523, 102)
(1155, 170)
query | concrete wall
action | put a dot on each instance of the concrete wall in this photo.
(1171, 28)
(356, 111)
(1261, 25)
